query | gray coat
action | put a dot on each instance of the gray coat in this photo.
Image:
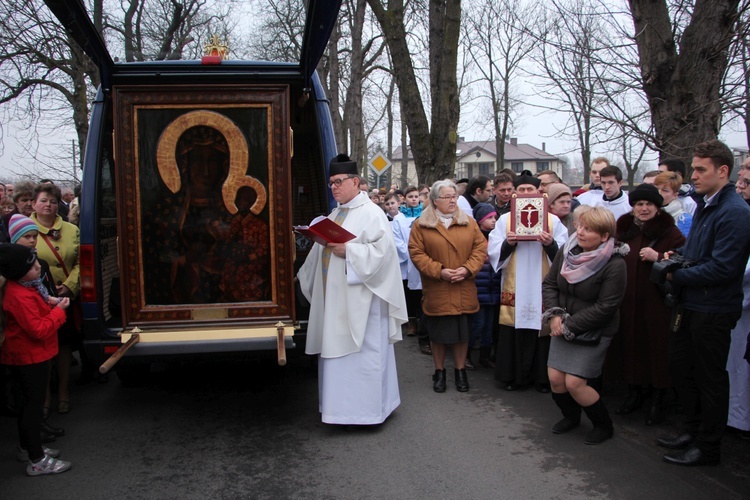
(594, 302)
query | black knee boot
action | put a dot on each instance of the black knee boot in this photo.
(570, 410)
(603, 428)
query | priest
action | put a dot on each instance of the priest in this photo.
(357, 307)
(521, 354)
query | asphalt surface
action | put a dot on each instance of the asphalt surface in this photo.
(248, 429)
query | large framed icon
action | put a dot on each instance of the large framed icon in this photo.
(529, 215)
(203, 204)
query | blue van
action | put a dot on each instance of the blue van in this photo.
(194, 174)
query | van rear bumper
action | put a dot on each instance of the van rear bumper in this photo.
(195, 341)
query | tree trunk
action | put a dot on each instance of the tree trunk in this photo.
(683, 85)
(433, 148)
(354, 118)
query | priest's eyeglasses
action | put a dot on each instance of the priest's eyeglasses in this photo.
(338, 182)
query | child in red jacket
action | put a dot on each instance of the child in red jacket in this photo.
(32, 318)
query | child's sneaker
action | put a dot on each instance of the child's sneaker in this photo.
(47, 465)
(23, 455)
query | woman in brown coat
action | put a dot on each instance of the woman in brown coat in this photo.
(644, 318)
(448, 249)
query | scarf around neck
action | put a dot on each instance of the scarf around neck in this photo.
(446, 219)
(37, 283)
(675, 208)
(581, 266)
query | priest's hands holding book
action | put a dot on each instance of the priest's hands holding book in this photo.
(337, 249)
(454, 275)
(544, 237)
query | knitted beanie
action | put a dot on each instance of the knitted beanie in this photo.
(20, 225)
(554, 191)
(482, 211)
(16, 260)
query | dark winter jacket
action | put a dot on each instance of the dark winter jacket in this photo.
(592, 304)
(488, 284)
(641, 347)
(719, 242)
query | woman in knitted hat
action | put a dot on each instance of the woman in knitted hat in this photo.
(644, 318)
(32, 318)
(559, 200)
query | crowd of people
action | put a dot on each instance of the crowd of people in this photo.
(39, 264)
(641, 288)
(563, 291)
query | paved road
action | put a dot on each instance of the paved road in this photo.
(249, 430)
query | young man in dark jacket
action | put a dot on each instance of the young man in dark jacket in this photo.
(719, 245)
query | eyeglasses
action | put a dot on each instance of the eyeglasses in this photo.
(545, 184)
(742, 182)
(454, 197)
(338, 182)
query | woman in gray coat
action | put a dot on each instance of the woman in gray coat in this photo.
(582, 294)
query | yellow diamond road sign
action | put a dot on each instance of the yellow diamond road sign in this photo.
(379, 163)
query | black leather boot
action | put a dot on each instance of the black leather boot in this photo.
(485, 361)
(633, 401)
(571, 412)
(438, 381)
(655, 413)
(462, 380)
(603, 428)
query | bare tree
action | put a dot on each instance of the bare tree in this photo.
(682, 69)
(280, 28)
(496, 41)
(44, 74)
(433, 140)
(573, 54)
(736, 83)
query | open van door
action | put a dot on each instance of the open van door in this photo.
(194, 173)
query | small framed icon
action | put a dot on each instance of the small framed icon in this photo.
(529, 216)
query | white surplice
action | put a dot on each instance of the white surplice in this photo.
(528, 292)
(738, 367)
(356, 318)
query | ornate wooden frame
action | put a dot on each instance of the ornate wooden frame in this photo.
(158, 216)
(529, 215)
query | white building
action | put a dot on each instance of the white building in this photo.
(480, 158)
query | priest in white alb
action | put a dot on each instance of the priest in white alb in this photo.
(357, 307)
(521, 353)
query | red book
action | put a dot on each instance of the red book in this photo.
(323, 230)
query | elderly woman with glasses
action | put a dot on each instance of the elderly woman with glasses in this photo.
(448, 248)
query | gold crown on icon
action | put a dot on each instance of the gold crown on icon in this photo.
(217, 47)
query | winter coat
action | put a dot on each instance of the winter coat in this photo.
(488, 284)
(720, 243)
(432, 248)
(30, 326)
(67, 246)
(593, 303)
(643, 342)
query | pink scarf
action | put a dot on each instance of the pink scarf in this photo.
(582, 266)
